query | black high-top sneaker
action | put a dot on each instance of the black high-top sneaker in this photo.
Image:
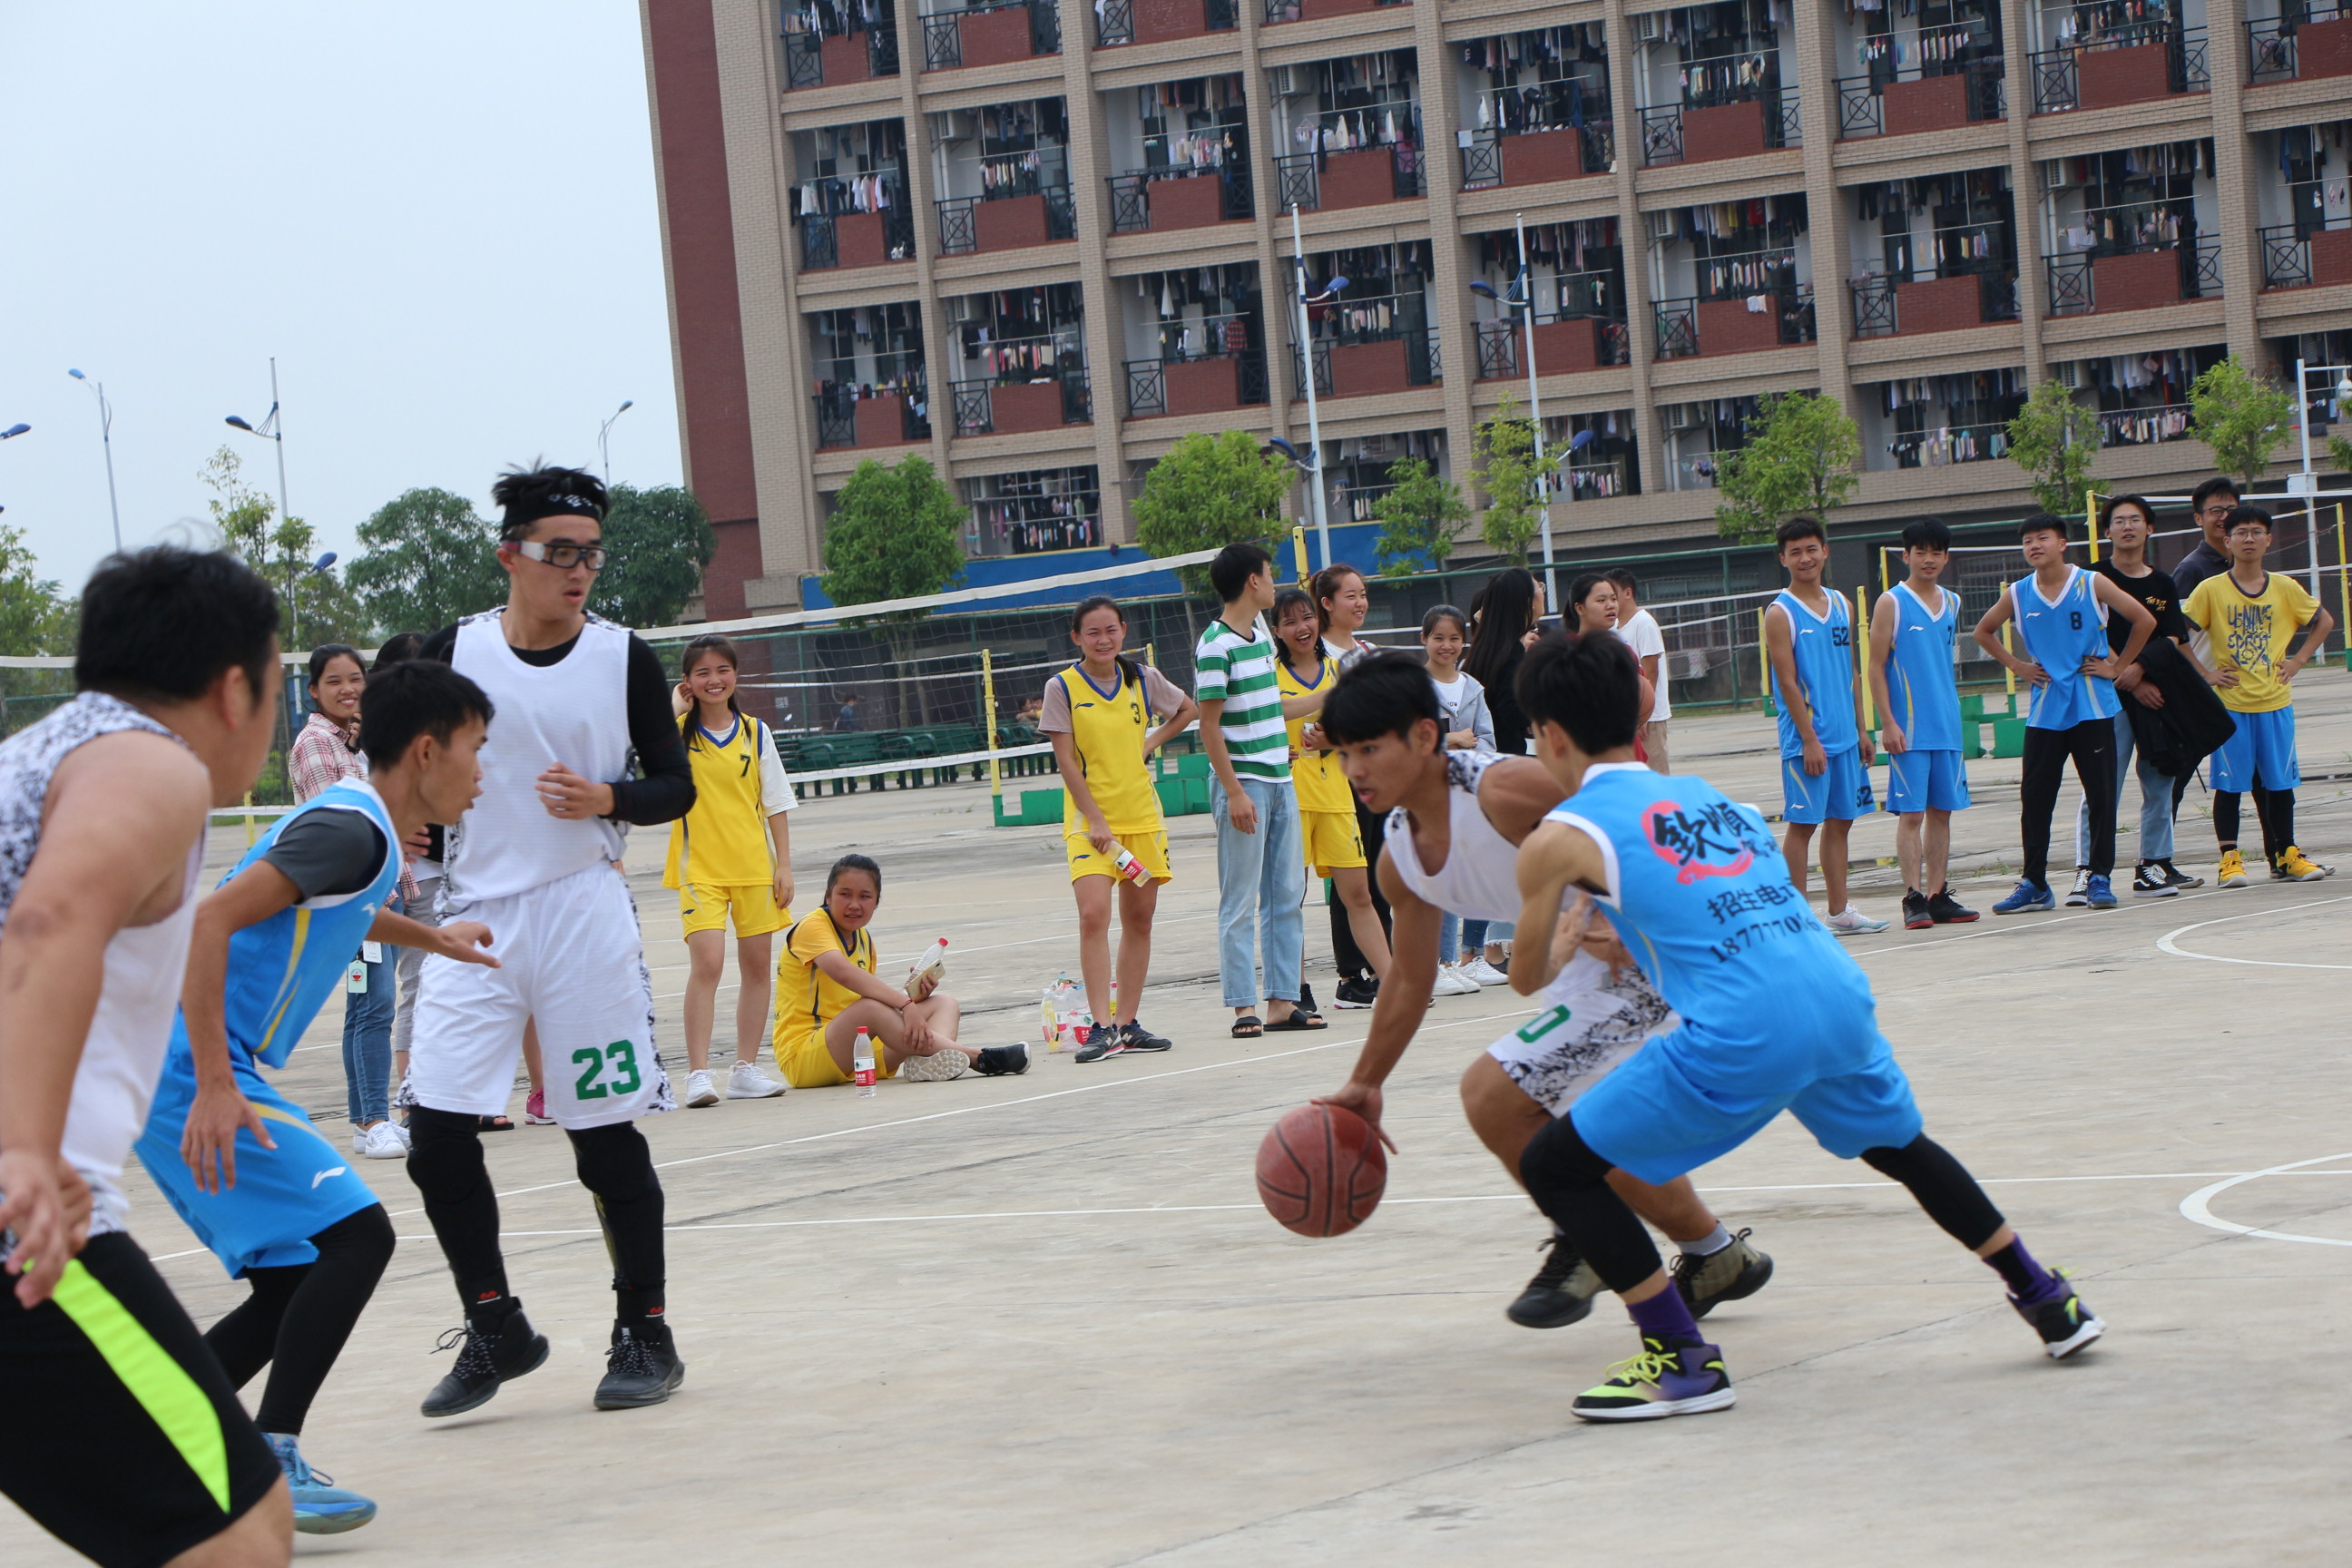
(492, 1347)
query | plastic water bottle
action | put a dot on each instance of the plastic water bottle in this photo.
(934, 962)
(1133, 870)
(861, 1059)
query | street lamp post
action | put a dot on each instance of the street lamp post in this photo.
(273, 426)
(1306, 363)
(106, 437)
(603, 452)
(1521, 301)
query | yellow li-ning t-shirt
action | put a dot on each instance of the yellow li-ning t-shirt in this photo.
(2251, 634)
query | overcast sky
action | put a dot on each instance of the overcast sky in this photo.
(440, 218)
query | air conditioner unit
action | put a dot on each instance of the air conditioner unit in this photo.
(1648, 27)
(2067, 372)
(1661, 224)
(1283, 80)
(1678, 415)
(2054, 177)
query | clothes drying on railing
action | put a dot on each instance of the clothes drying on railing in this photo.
(1511, 52)
(1205, 340)
(1780, 218)
(1754, 276)
(1551, 106)
(1350, 131)
(834, 18)
(1016, 175)
(1596, 483)
(1569, 247)
(1028, 357)
(1728, 80)
(1954, 391)
(2143, 426)
(1929, 47)
(852, 193)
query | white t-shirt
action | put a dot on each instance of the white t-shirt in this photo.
(1643, 636)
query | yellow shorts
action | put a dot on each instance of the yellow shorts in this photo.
(1151, 849)
(807, 1064)
(1332, 840)
(705, 907)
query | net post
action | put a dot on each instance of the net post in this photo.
(1763, 660)
(988, 725)
(2343, 585)
(2008, 674)
(2090, 521)
(250, 834)
(1862, 659)
(1883, 550)
(1298, 544)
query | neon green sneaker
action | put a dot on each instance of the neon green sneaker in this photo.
(1662, 1381)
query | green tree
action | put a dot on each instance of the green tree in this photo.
(659, 541)
(2243, 417)
(429, 559)
(1418, 517)
(896, 532)
(2053, 440)
(1504, 465)
(35, 616)
(318, 605)
(1210, 491)
(1801, 458)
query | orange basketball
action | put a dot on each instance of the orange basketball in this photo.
(1321, 1169)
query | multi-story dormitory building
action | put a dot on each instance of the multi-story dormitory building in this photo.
(1039, 240)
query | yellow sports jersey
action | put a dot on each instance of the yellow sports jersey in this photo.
(1108, 731)
(723, 842)
(2250, 636)
(807, 998)
(1321, 782)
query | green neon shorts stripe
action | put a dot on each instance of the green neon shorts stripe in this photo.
(162, 1385)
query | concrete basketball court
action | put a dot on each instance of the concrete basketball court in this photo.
(1044, 1320)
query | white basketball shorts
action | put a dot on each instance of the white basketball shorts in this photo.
(572, 958)
(1589, 1023)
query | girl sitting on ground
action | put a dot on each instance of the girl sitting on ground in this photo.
(827, 990)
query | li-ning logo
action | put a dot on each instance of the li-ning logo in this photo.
(1712, 840)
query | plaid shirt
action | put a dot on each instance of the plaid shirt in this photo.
(321, 756)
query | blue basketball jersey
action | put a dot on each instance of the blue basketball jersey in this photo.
(281, 971)
(1823, 649)
(1923, 695)
(1769, 1001)
(2059, 634)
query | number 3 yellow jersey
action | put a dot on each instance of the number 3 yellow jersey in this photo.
(1108, 731)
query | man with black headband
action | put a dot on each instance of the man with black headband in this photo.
(538, 861)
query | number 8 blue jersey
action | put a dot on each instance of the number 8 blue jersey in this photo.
(2059, 634)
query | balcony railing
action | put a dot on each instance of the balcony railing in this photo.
(1309, 11)
(1499, 339)
(1862, 101)
(1130, 193)
(1878, 314)
(1677, 321)
(1147, 381)
(820, 237)
(943, 31)
(1423, 366)
(804, 54)
(837, 421)
(1950, 444)
(2057, 73)
(2143, 426)
(1482, 157)
(974, 402)
(1114, 23)
(1297, 176)
(2287, 258)
(2074, 289)
(959, 228)
(2271, 51)
(1663, 140)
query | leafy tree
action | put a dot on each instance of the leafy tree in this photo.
(659, 541)
(1801, 458)
(1504, 466)
(2241, 415)
(1418, 517)
(429, 560)
(35, 616)
(1210, 491)
(2053, 440)
(896, 532)
(319, 607)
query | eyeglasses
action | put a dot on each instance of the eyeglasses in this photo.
(2219, 509)
(563, 557)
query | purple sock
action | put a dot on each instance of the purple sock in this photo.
(2027, 1280)
(1665, 1315)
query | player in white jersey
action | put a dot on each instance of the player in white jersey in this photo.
(537, 860)
(118, 1431)
(1455, 819)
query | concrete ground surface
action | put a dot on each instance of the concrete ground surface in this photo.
(1044, 1320)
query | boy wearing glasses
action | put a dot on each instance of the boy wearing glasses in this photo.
(2212, 505)
(537, 860)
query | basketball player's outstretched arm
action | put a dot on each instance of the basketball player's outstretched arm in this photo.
(1555, 860)
(122, 813)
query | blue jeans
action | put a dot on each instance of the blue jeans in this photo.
(1472, 935)
(2155, 801)
(367, 1038)
(1265, 873)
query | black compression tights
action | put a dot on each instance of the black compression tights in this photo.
(297, 1319)
(2273, 809)
(445, 1161)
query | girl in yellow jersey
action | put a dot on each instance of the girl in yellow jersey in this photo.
(1098, 713)
(1327, 805)
(731, 853)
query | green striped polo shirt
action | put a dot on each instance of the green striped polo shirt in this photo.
(1240, 670)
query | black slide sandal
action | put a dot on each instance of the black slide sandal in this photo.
(1299, 1021)
(1248, 1026)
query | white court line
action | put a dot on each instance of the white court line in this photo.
(2167, 943)
(2199, 1206)
(2010, 928)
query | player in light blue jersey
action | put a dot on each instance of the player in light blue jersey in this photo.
(276, 1202)
(1774, 1017)
(1824, 772)
(2062, 613)
(1912, 630)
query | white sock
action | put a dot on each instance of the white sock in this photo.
(1706, 1246)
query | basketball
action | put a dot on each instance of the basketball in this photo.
(1321, 1169)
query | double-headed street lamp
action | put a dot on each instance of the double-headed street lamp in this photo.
(106, 436)
(272, 427)
(603, 452)
(1312, 466)
(1521, 302)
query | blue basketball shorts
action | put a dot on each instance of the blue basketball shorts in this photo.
(1840, 792)
(1652, 1118)
(1926, 781)
(2264, 743)
(283, 1196)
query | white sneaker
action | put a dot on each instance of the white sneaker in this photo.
(1452, 982)
(936, 1068)
(1478, 972)
(698, 1091)
(381, 1142)
(746, 1081)
(1851, 921)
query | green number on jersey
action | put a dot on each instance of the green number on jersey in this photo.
(594, 1060)
(1535, 1028)
(624, 1054)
